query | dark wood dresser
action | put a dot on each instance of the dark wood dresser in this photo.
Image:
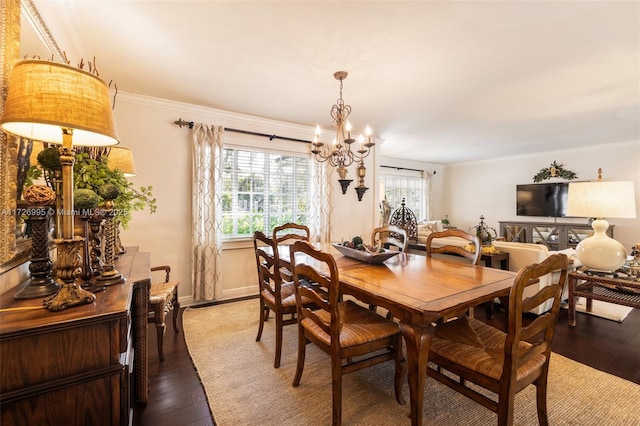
(82, 366)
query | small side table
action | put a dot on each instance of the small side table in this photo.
(496, 260)
(621, 291)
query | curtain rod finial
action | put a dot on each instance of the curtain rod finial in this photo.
(180, 122)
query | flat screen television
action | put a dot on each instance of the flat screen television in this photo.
(542, 199)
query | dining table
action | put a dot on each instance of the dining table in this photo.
(419, 292)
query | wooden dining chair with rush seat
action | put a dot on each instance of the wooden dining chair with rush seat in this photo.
(275, 295)
(390, 235)
(288, 233)
(504, 363)
(163, 298)
(473, 257)
(352, 335)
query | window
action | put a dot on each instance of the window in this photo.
(263, 189)
(410, 187)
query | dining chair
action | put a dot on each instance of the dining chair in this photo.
(474, 256)
(353, 336)
(275, 295)
(288, 233)
(163, 298)
(390, 234)
(451, 249)
(504, 363)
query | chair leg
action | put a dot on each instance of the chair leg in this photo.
(336, 390)
(400, 371)
(541, 399)
(160, 328)
(302, 348)
(264, 311)
(176, 311)
(279, 326)
(505, 409)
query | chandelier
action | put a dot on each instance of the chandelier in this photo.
(340, 153)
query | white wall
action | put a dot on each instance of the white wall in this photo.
(489, 188)
(162, 154)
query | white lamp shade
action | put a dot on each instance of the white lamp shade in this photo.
(45, 96)
(602, 199)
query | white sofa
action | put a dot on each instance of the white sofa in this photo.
(520, 255)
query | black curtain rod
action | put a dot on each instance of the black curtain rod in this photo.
(182, 123)
(404, 168)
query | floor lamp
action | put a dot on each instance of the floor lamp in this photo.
(61, 104)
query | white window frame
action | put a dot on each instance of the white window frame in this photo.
(409, 184)
(296, 150)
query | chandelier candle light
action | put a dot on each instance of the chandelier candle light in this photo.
(339, 154)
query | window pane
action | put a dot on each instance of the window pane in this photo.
(262, 190)
(409, 188)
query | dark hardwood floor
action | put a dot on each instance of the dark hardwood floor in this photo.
(177, 398)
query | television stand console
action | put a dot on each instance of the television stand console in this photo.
(556, 236)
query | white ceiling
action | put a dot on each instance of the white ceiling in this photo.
(438, 81)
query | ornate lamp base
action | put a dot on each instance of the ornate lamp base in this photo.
(107, 278)
(69, 266)
(70, 295)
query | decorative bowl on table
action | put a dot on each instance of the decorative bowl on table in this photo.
(363, 255)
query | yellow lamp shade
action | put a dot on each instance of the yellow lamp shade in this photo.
(121, 158)
(45, 96)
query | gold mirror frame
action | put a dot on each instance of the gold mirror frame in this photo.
(14, 252)
(10, 44)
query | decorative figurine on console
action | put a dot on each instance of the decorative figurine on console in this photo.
(39, 200)
(109, 274)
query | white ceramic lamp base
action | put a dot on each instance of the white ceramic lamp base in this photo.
(600, 252)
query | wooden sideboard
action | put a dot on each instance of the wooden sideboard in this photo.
(556, 236)
(84, 365)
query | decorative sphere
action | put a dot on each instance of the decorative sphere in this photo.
(50, 158)
(39, 195)
(85, 199)
(109, 191)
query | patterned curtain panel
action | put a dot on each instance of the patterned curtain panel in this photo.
(206, 260)
(428, 194)
(321, 206)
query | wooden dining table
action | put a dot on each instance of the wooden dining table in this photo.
(419, 291)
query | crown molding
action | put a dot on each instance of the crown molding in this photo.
(196, 113)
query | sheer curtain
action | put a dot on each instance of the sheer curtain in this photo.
(206, 260)
(428, 194)
(321, 205)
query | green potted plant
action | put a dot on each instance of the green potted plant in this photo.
(94, 174)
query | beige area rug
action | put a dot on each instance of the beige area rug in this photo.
(244, 389)
(601, 309)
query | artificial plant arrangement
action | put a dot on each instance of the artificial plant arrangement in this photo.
(554, 170)
(94, 174)
(90, 173)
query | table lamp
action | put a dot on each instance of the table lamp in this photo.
(61, 104)
(598, 200)
(121, 158)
